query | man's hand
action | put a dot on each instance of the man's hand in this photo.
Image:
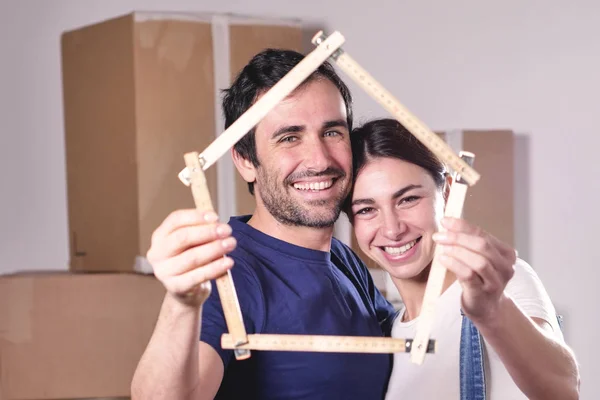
(187, 251)
(482, 264)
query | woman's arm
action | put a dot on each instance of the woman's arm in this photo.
(541, 365)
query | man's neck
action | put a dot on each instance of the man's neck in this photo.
(311, 238)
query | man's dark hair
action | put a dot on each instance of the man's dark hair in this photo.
(262, 73)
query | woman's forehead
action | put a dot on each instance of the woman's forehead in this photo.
(383, 173)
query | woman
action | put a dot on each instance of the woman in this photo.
(495, 326)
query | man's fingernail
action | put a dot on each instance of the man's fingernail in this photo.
(211, 217)
(223, 230)
(227, 262)
(228, 243)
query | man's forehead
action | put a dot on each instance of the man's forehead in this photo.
(313, 104)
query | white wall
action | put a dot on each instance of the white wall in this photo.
(529, 66)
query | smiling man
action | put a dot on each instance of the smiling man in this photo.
(291, 275)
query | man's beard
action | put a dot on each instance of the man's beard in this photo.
(288, 210)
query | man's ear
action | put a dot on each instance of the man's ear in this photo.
(245, 167)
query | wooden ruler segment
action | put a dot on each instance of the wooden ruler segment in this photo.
(324, 343)
(437, 274)
(267, 102)
(401, 113)
(225, 286)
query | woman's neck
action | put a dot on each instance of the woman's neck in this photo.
(412, 292)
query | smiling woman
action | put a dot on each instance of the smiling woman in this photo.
(496, 327)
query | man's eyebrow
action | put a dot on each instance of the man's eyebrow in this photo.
(301, 128)
(335, 124)
(287, 129)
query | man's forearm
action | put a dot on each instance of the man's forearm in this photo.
(169, 367)
(541, 367)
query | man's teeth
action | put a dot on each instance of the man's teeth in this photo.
(314, 185)
(395, 251)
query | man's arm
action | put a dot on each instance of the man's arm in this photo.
(176, 364)
(187, 252)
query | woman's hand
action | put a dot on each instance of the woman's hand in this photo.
(482, 264)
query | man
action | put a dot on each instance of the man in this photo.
(291, 276)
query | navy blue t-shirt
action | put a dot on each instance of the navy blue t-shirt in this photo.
(287, 289)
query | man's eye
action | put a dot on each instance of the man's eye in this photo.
(288, 139)
(332, 133)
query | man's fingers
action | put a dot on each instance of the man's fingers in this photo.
(189, 281)
(198, 256)
(182, 218)
(191, 236)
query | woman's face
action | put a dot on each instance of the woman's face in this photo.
(396, 208)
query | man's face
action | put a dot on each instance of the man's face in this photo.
(303, 147)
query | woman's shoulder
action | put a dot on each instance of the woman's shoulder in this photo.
(524, 274)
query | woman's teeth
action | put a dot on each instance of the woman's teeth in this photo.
(395, 251)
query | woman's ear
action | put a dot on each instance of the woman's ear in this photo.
(245, 167)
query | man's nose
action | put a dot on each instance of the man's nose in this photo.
(318, 157)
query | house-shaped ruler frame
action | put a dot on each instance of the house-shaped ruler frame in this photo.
(193, 175)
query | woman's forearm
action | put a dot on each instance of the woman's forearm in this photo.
(541, 366)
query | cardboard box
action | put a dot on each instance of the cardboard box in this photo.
(490, 202)
(140, 91)
(70, 336)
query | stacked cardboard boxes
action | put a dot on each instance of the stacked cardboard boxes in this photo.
(139, 90)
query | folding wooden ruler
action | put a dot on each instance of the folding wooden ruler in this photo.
(437, 273)
(193, 175)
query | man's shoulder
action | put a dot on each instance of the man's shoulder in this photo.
(340, 248)
(346, 255)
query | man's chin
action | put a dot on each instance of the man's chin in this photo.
(311, 220)
(322, 220)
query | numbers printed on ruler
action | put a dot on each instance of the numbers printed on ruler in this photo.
(324, 343)
(404, 116)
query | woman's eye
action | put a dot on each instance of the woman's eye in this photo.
(409, 199)
(364, 211)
